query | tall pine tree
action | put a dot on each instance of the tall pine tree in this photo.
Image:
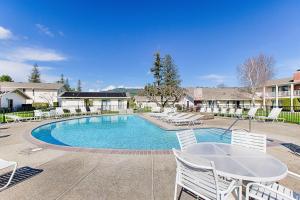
(35, 76)
(79, 86)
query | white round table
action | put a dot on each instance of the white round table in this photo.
(240, 162)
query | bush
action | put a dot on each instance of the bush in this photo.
(40, 105)
(55, 104)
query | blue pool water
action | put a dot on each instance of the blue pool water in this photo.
(118, 132)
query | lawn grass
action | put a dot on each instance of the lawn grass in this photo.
(20, 114)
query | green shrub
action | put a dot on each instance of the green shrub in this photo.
(55, 104)
(40, 105)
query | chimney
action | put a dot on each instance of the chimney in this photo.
(297, 76)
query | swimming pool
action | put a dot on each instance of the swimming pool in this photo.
(118, 132)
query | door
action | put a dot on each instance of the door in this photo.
(10, 104)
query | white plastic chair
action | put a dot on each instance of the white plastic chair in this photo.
(231, 112)
(201, 179)
(208, 110)
(216, 110)
(273, 115)
(202, 109)
(239, 113)
(272, 191)
(249, 140)
(7, 164)
(223, 111)
(84, 111)
(186, 138)
(73, 111)
(252, 112)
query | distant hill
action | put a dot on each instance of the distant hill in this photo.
(131, 91)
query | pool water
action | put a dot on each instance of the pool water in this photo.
(118, 132)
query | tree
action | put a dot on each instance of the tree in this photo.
(62, 79)
(67, 85)
(79, 86)
(35, 76)
(6, 78)
(254, 73)
(166, 83)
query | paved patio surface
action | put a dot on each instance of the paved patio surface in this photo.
(93, 175)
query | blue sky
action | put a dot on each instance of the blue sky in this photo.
(111, 43)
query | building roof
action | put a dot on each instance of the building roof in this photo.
(146, 99)
(93, 95)
(282, 81)
(3, 93)
(226, 93)
(21, 85)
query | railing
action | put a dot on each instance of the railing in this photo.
(282, 93)
(296, 92)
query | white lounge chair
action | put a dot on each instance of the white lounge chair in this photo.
(73, 111)
(273, 115)
(186, 138)
(216, 111)
(84, 111)
(38, 114)
(273, 191)
(165, 113)
(59, 112)
(201, 179)
(202, 109)
(8, 164)
(239, 113)
(249, 140)
(188, 115)
(231, 112)
(188, 121)
(252, 112)
(223, 111)
(208, 110)
(16, 118)
(174, 116)
(94, 110)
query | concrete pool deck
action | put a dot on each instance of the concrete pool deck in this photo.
(96, 175)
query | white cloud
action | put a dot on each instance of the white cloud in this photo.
(34, 54)
(61, 33)
(5, 33)
(44, 29)
(214, 77)
(111, 87)
(20, 71)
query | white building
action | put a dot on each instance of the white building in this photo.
(113, 101)
(37, 92)
(230, 97)
(12, 100)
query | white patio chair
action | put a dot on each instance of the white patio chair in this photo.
(202, 109)
(173, 119)
(186, 138)
(16, 118)
(272, 191)
(231, 112)
(208, 110)
(249, 140)
(8, 164)
(94, 110)
(59, 112)
(38, 114)
(239, 113)
(173, 116)
(73, 111)
(216, 110)
(201, 179)
(252, 112)
(189, 121)
(84, 111)
(273, 115)
(223, 111)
